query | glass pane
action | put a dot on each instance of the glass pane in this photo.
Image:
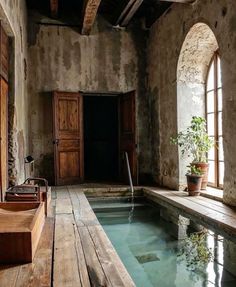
(221, 172)
(210, 124)
(219, 84)
(220, 149)
(220, 123)
(210, 79)
(211, 154)
(211, 174)
(220, 105)
(210, 102)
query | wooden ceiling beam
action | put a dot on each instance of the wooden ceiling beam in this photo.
(179, 1)
(125, 11)
(133, 8)
(54, 8)
(89, 15)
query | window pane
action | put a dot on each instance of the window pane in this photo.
(210, 124)
(220, 123)
(211, 154)
(221, 172)
(210, 102)
(210, 79)
(219, 84)
(220, 149)
(211, 172)
(219, 99)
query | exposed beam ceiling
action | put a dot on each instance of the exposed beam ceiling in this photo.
(125, 11)
(54, 8)
(128, 12)
(178, 1)
(89, 14)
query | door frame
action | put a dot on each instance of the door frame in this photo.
(87, 94)
(55, 135)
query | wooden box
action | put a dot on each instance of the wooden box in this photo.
(21, 224)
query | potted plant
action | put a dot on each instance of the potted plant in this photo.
(195, 143)
(194, 180)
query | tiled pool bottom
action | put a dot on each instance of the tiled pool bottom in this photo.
(150, 253)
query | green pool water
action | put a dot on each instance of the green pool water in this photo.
(151, 255)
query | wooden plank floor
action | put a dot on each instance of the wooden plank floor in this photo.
(214, 214)
(75, 251)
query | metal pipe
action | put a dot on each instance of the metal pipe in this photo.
(129, 173)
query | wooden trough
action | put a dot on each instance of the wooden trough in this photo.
(21, 224)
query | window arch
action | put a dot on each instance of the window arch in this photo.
(214, 109)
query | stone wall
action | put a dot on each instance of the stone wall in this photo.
(13, 17)
(166, 39)
(109, 60)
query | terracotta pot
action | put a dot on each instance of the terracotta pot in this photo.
(204, 168)
(194, 184)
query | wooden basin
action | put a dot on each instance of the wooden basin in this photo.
(21, 224)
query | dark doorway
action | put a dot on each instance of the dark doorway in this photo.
(101, 149)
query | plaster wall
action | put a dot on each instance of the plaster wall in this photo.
(166, 38)
(13, 16)
(109, 60)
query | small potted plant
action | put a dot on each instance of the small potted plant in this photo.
(194, 180)
(195, 143)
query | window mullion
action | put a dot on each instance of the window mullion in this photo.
(216, 119)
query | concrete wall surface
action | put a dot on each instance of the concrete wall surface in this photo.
(13, 15)
(109, 60)
(166, 39)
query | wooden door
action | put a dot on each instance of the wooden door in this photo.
(68, 138)
(3, 136)
(128, 136)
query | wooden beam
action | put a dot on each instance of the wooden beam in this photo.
(131, 12)
(54, 8)
(125, 11)
(179, 1)
(89, 15)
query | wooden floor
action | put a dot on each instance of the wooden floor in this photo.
(75, 251)
(208, 212)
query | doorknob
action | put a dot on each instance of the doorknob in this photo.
(56, 142)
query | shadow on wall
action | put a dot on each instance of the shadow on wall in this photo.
(42, 137)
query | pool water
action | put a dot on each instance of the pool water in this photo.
(152, 256)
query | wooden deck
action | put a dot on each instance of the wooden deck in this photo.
(75, 251)
(211, 213)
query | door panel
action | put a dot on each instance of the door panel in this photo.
(68, 138)
(128, 136)
(3, 136)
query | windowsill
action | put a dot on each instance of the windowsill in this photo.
(213, 193)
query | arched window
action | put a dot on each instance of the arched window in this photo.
(214, 122)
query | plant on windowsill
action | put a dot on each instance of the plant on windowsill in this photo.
(194, 180)
(196, 143)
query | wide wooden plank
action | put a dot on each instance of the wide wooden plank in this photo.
(95, 271)
(109, 259)
(219, 221)
(83, 272)
(8, 275)
(219, 207)
(63, 202)
(39, 272)
(66, 267)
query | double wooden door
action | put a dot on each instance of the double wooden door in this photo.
(68, 137)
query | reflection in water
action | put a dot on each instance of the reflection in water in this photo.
(150, 254)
